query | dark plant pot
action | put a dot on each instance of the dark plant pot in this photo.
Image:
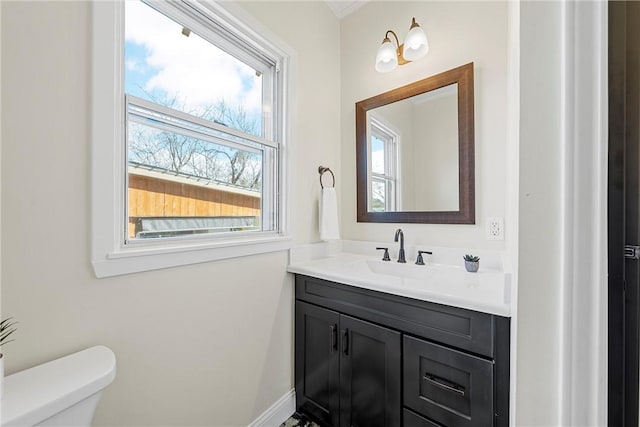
(472, 266)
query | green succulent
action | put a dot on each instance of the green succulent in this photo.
(471, 258)
(7, 327)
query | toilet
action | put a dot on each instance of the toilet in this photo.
(63, 392)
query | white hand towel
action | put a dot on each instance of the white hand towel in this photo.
(328, 215)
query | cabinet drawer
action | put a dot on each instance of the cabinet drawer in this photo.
(412, 419)
(465, 329)
(447, 386)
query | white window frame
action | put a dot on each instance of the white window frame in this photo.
(390, 136)
(110, 255)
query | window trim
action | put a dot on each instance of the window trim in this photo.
(109, 255)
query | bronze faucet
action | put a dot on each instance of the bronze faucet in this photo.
(400, 234)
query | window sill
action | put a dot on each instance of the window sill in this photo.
(147, 258)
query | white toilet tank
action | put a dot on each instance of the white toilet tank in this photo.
(63, 392)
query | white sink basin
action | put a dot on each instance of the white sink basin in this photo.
(407, 270)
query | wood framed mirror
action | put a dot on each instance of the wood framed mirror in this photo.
(415, 160)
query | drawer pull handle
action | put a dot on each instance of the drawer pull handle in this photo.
(442, 383)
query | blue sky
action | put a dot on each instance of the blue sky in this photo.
(161, 61)
(136, 76)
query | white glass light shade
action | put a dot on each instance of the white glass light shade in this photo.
(416, 44)
(386, 59)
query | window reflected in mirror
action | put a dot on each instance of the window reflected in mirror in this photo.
(383, 155)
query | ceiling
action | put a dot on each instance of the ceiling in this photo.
(342, 8)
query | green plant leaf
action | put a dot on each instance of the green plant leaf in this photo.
(7, 327)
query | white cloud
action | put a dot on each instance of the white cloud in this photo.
(190, 67)
(133, 65)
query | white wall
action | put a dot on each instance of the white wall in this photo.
(562, 301)
(539, 271)
(207, 344)
(1, 316)
(458, 32)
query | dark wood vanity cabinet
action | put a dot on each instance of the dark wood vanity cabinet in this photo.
(348, 370)
(370, 359)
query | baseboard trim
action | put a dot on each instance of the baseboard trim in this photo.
(278, 413)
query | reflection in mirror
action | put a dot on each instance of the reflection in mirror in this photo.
(415, 156)
(382, 158)
(413, 153)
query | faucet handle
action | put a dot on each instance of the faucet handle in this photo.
(419, 260)
(385, 257)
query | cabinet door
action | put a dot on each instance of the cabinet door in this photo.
(316, 362)
(369, 375)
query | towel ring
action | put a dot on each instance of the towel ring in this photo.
(322, 170)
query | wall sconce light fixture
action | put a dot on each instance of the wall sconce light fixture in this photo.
(415, 47)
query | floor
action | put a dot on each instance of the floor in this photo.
(298, 420)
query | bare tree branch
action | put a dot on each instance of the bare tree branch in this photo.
(180, 153)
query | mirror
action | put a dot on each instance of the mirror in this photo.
(415, 152)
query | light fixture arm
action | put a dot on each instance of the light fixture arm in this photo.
(386, 36)
(399, 47)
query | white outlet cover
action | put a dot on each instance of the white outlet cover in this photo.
(495, 228)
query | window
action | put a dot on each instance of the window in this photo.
(383, 154)
(200, 136)
(199, 160)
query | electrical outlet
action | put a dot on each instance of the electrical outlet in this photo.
(495, 228)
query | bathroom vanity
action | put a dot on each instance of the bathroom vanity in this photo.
(380, 343)
(369, 357)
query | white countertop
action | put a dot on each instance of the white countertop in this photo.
(448, 283)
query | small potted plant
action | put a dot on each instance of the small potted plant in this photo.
(471, 263)
(7, 327)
